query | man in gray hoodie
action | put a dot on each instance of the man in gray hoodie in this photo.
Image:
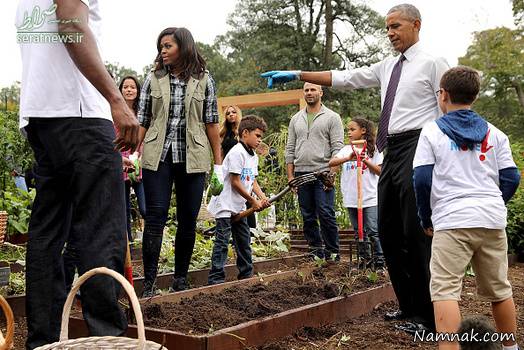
(315, 135)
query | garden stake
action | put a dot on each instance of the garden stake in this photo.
(295, 183)
(359, 149)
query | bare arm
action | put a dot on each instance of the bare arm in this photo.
(213, 136)
(319, 78)
(375, 169)
(290, 168)
(336, 161)
(86, 57)
(258, 191)
(236, 184)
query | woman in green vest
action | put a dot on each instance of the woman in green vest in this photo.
(179, 126)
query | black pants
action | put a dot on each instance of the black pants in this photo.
(79, 199)
(406, 248)
(157, 187)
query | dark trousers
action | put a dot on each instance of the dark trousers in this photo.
(406, 248)
(157, 187)
(79, 199)
(242, 237)
(318, 205)
(138, 187)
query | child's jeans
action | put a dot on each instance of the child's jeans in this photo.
(242, 238)
(369, 216)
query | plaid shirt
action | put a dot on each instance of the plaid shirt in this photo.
(176, 124)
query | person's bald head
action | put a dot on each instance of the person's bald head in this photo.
(306, 84)
(312, 93)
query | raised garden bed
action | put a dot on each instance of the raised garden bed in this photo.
(197, 278)
(251, 312)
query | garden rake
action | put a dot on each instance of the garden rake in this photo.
(359, 149)
(298, 181)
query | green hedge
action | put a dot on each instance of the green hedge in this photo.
(515, 228)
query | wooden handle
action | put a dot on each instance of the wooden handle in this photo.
(127, 287)
(242, 214)
(250, 211)
(7, 343)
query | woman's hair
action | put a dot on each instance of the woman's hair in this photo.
(137, 99)
(369, 136)
(189, 62)
(230, 126)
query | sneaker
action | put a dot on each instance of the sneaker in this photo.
(149, 290)
(179, 284)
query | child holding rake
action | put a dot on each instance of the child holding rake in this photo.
(240, 169)
(360, 129)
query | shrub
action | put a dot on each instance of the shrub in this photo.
(515, 227)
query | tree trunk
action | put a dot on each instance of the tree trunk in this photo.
(328, 48)
(520, 93)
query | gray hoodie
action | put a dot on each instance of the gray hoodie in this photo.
(310, 149)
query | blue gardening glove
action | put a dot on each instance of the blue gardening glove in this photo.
(280, 76)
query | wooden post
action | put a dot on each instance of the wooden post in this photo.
(268, 99)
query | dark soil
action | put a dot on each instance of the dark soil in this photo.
(206, 313)
(372, 332)
(369, 331)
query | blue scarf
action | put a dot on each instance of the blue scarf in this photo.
(464, 127)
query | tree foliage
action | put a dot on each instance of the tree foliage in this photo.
(518, 12)
(499, 54)
(297, 34)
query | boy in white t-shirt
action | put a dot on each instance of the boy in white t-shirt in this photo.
(463, 175)
(362, 129)
(240, 168)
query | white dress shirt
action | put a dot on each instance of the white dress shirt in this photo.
(52, 85)
(416, 100)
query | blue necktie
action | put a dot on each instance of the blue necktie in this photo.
(388, 104)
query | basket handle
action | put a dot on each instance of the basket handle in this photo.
(7, 343)
(127, 287)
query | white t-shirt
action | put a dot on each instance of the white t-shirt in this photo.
(465, 188)
(348, 180)
(237, 161)
(52, 86)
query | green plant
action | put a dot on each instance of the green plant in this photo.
(16, 285)
(15, 152)
(269, 244)
(319, 262)
(12, 252)
(515, 225)
(18, 206)
(372, 276)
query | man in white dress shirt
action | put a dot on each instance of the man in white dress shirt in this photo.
(68, 104)
(408, 85)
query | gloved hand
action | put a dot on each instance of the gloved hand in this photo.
(216, 183)
(328, 180)
(280, 76)
(217, 169)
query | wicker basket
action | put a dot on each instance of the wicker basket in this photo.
(109, 342)
(3, 226)
(7, 342)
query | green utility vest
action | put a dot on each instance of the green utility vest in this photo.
(198, 154)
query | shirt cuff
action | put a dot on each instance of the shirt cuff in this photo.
(337, 78)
